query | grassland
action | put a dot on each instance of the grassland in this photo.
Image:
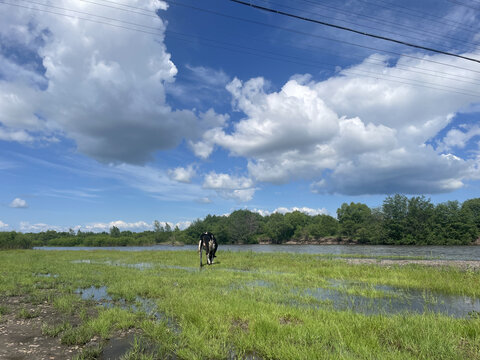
(247, 305)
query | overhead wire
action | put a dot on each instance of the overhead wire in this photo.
(281, 57)
(319, 36)
(374, 19)
(130, 11)
(367, 60)
(464, 5)
(416, 13)
(303, 18)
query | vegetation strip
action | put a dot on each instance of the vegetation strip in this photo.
(399, 221)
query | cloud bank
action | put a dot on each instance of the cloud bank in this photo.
(78, 79)
(352, 134)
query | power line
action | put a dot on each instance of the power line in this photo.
(374, 19)
(122, 9)
(417, 14)
(279, 12)
(319, 36)
(367, 60)
(465, 5)
(280, 57)
(90, 14)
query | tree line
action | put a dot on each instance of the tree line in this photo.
(399, 221)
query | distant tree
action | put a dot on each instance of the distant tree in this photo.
(322, 226)
(395, 210)
(243, 226)
(418, 222)
(278, 229)
(354, 220)
(473, 207)
(158, 230)
(168, 228)
(452, 225)
(114, 231)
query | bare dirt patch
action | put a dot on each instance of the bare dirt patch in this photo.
(23, 333)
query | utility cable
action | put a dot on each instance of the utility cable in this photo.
(367, 60)
(373, 19)
(303, 18)
(464, 5)
(319, 36)
(415, 13)
(122, 9)
(280, 57)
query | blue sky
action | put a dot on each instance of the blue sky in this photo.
(129, 111)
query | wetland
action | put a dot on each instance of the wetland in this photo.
(248, 305)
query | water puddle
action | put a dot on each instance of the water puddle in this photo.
(147, 306)
(47, 275)
(391, 300)
(140, 266)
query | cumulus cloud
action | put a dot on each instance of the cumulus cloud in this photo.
(285, 210)
(230, 187)
(181, 174)
(137, 226)
(3, 225)
(458, 138)
(82, 82)
(25, 226)
(19, 203)
(353, 134)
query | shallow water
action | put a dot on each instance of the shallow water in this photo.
(440, 252)
(396, 300)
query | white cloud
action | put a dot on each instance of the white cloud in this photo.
(137, 226)
(122, 225)
(230, 187)
(285, 210)
(19, 203)
(209, 76)
(25, 226)
(181, 174)
(353, 134)
(108, 97)
(3, 225)
(15, 135)
(458, 138)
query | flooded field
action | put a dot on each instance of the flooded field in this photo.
(247, 305)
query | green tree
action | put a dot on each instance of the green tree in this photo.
(473, 207)
(114, 231)
(243, 226)
(354, 220)
(278, 229)
(322, 226)
(395, 210)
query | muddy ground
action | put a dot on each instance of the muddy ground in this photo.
(23, 333)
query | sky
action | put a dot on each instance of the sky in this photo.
(120, 113)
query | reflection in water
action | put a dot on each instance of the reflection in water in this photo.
(147, 306)
(388, 300)
(395, 301)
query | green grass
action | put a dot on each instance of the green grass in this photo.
(247, 305)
